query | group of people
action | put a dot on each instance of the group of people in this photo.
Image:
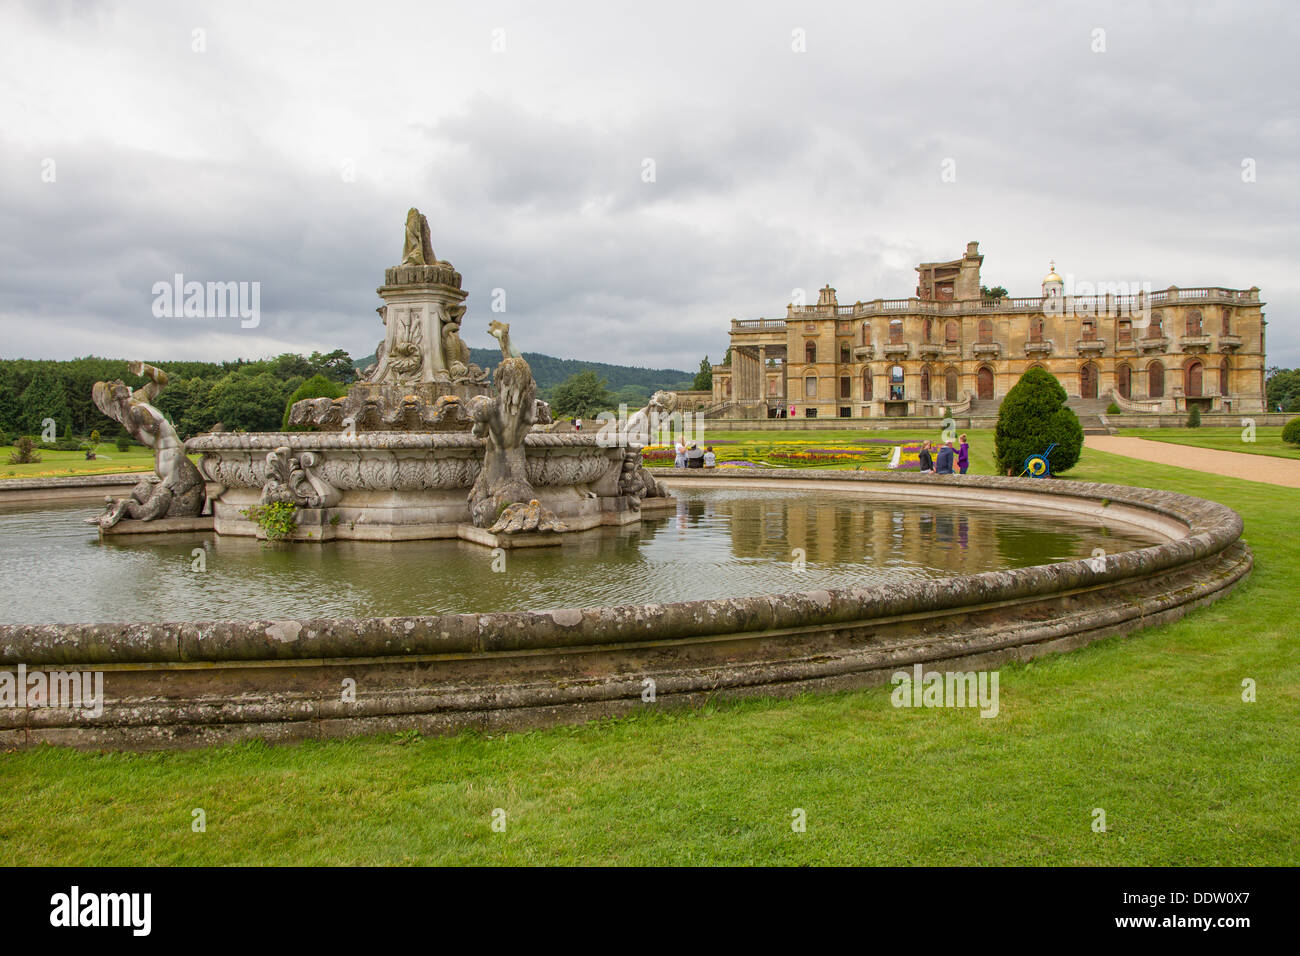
(692, 457)
(943, 462)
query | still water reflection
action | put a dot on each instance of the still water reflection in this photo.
(720, 542)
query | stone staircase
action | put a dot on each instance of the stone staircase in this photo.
(1091, 412)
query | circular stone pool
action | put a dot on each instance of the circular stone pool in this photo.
(311, 641)
(721, 542)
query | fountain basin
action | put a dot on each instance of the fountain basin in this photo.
(190, 683)
(394, 486)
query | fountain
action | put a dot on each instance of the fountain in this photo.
(422, 447)
(891, 570)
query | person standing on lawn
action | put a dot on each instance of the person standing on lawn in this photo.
(943, 464)
(963, 456)
(927, 461)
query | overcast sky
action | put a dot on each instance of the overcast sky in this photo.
(774, 169)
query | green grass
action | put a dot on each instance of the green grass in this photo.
(1268, 439)
(1151, 728)
(59, 463)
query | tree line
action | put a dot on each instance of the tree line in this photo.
(240, 394)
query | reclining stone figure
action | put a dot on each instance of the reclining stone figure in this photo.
(180, 492)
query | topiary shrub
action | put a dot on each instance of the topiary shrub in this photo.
(94, 438)
(1033, 416)
(1194, 417)
(1113, 409)
(1291, 432)
(123, 443)
(24, 453)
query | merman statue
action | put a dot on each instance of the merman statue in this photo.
(180, 492)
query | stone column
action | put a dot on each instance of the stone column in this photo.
(418, 300)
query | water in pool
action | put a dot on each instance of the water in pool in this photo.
(719, 543)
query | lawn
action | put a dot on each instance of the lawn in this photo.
(1268, 440)
(53, 464)
(1152, 729)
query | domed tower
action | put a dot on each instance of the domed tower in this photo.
(1053, 285)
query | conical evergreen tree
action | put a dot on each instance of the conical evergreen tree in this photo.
(43, 399)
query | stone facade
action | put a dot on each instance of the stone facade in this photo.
(949, 348)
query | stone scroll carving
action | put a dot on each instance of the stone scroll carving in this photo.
(294, 479)
(180, 492)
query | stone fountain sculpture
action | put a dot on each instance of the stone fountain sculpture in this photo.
(423, 446)
(422, 378)
(502, 499)
(642, 425)
(179, 492)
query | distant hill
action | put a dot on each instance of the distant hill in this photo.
(550, 371)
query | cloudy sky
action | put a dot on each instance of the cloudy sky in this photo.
(282, 143)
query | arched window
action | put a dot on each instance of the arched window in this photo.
(1156, 329)
(1088, 381)
(810, 387)
(925, 382)
(1194, 322)
(1155, 380)
(950, 384)
(984, 383)
(1225, 370)
(1193, 379)
(950, 334)
(810, 353)
(1124, 381)
(929, 330)
(896, 382)
(866, 384)
(1036, 329)
(985, 331)
(895, 331)
(1227, 321)
(866, 333)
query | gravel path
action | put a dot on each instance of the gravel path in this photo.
(1273, 471)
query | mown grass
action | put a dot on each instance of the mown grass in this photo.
(1150, 728)
(1268, 439)
(54, 464)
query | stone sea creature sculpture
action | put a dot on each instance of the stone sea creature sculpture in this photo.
(501, 332)
(454, 348)
(179, 493)
(502, 500)
(645, 422)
